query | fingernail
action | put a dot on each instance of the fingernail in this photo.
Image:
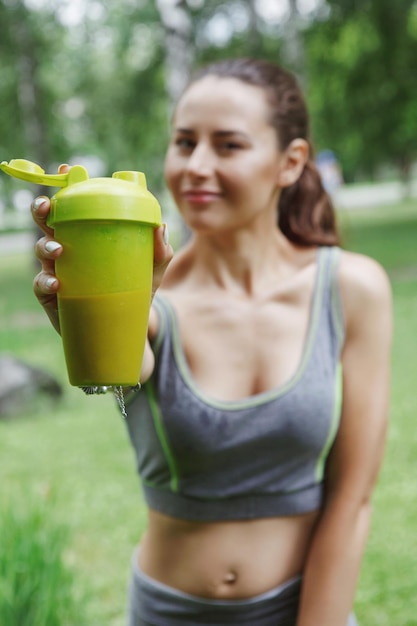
(50, 282)
(166, 234)
(38, 202)
(51, 246)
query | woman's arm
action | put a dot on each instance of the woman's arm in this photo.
(339, 541)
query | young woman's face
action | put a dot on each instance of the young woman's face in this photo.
(223, 161)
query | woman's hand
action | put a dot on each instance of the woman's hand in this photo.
(47, 250)
(163, 254)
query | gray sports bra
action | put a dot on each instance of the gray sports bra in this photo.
(262, 456)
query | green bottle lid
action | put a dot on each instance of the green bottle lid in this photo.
(124, 196)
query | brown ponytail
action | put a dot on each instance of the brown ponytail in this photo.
(305, 211)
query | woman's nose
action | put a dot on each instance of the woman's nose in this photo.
(200, 162)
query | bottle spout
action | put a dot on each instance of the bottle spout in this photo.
(132, 176)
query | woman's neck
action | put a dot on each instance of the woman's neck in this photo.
(241, 262)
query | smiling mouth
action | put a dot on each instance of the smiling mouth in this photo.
(200, 196)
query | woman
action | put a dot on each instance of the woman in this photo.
(260, 427)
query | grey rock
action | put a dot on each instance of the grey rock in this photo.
(21, 385)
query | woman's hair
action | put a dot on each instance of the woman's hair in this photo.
(305, 211)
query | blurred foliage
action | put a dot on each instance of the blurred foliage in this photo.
(29, 42)
(362, 89)
(90, 78)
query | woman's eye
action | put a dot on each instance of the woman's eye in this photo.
(230, 146)
(184, 144)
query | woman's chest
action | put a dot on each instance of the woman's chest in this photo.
(235, 350)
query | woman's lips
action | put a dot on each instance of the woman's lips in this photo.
(200, 196)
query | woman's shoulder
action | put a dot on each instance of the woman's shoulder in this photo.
(358, 272)
(364, 286)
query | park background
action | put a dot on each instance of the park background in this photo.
(94, 82)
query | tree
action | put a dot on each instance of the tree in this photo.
(362, 90)
(28, 43)
(103, 86)
(178, 46)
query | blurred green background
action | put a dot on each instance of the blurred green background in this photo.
(94, 82)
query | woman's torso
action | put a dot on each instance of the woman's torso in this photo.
(224, 560)
(235, 347)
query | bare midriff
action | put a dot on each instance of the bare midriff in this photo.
(226, 560)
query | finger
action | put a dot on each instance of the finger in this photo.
(42, 205)
(40, 211)
(45, 287)
(47, 249)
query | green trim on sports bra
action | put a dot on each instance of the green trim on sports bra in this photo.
(162, 436)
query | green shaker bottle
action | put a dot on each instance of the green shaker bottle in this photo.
(105, 226)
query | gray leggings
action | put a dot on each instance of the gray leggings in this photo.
(152, 603)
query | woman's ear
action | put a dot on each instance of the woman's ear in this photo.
(293, 161)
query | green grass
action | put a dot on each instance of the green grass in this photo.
(38, 587)
(386, 593)
(387, 234)
(78, 450)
